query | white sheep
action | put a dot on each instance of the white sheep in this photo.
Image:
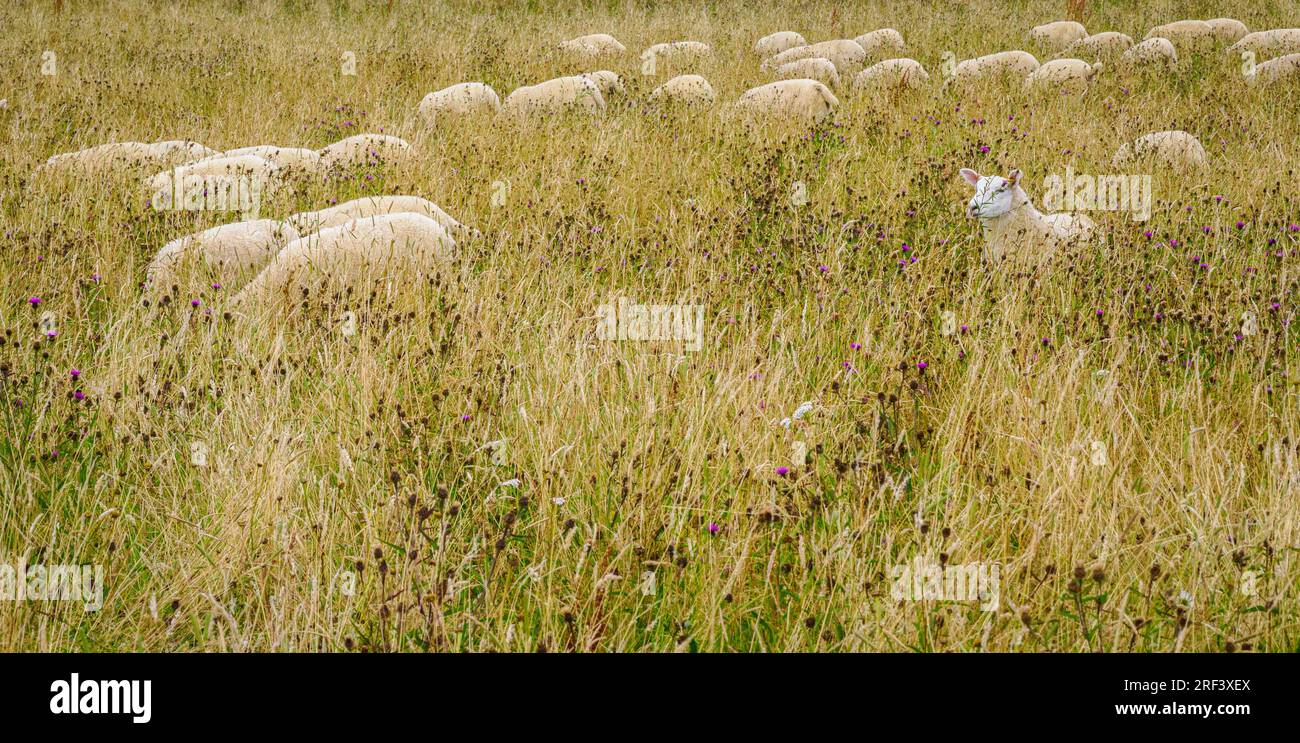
(1105, 46)
(1014, 64)
(1177, 149)
(292, 161)
(1057, 35)
(891, 74)
(233, 251)
(361, 150)
(778, 42)
(593, 45)
(812, 68)
(1186, 36)
(1275, 70)
(393, 247)
(688, 90)
(883, 43)
(804, 101)
(459, 100)
(369, 206)
(1228, 30)
(127, 155)
(1151, 51)
(609, 82)
(219, 177)
(1013, 228)
(1267, 44)
(573, 93)
(1068, 75)
(846, 54)
(675, 53)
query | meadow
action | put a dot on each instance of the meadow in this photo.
(476, 468)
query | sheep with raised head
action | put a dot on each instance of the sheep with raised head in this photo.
(573, 93)
(1015, 64)
(1274, 42)
(392, 247)
(233, 252)
(593, 45)
(362, 150)
(1186, 36)
(1066, 75)
(1153, 51)
(803, 101)
(883, 43)
(1228, 30)
(370, 206)
(1177, 149)
(778, 42)
(1057, 35)
(458, 101)
(1105, 46)
(1276, 70)
(1013, 227)
(846, 54)
(811, 68)
(891, 74)
(686, 90)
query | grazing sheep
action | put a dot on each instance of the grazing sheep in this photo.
(462, 99)
(1057, 35)
(1275, 70)
(610, 83)
(846, 54)
(1177, 149)
(689, 90)
(574, 93)
(235, 250)
(1013, 228)
(1186, 36)
(812, 68)
(883, 43)
(804, 101)
(1267, 44)
(389, 246)
(361, 150)
(1105, 46)
(220, 178)
(292, 161)
(1015, 63)
(1151, 51)
(676, 53)
(370, 206)
(127, 155)
(1228, 30)
(1069, 75)
(593, 45)
(778, 42)
(891, 74)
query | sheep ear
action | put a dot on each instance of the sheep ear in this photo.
(971, 176)
(1015, 177)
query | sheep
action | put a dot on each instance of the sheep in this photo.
(575, 93)
(778, 42)
(389, 246)
(127, 155)
(1273, 71)
(1069, 75)
(1013, 228)
(812, 68)
(1057, 35)
(1014, 63)
(1267, 44)
(674, 53)
(883, 43)
(1177, 149)
(237, 249)
(361, 150)
(610, 83)
(462, 99)
(1151, 51)
(215, 179)
(290, 160)
(805, 101)
(689, 90)
(593, 45)
(1228, 30)
(308, 222)
(1105, 46)
(1187, 36)
(890, 74)
(846, 54)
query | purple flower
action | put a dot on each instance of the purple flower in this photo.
(922, 365)
(855, 345)
(782, 471)
(79, 395)
(713, 528)
(464, 417)
(74, 373)
(194, 303)
(33, 301)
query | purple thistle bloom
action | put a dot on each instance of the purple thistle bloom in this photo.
(33, 301)
(74, 373)
(713, 528)
(782, 471)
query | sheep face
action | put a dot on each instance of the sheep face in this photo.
(994, 195)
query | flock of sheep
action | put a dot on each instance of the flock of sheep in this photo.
(385, 233)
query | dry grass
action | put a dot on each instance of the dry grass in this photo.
(335, 459)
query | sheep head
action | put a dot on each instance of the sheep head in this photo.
(994, 195)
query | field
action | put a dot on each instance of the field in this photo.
(1113, 440)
